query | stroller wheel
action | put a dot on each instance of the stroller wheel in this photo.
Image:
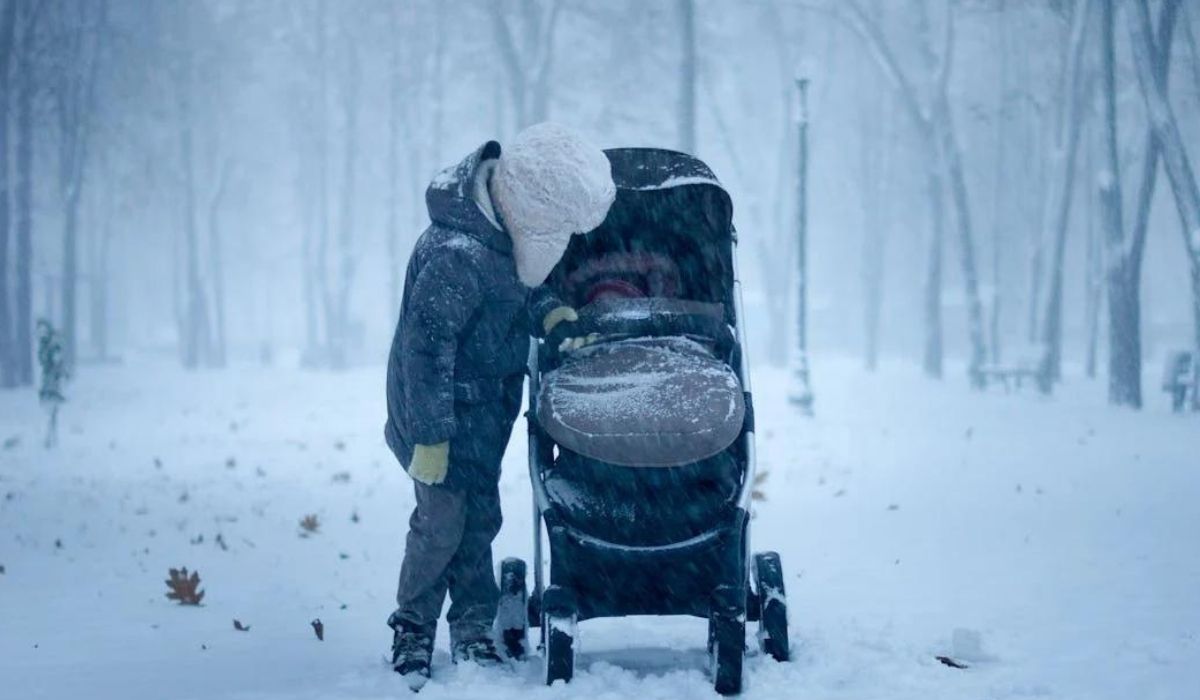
(726, 645)
(512, 620)
(772, 620)
(559, 626)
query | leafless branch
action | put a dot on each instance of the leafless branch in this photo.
(1193, 45)
(946, 58)
(545, 43)
(1145, 193)
(506, 42)
(852, 13)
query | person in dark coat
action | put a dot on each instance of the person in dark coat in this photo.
(472, 297)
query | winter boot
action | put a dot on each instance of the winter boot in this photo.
(481, 651)
(412, 652)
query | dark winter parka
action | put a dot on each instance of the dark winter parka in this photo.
(459, 353)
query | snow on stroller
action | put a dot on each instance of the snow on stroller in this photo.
(641, 444)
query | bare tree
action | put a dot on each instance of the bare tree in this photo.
(406, 83)
(99, 248)
(1193, 44)
(908, 95)
(775, 255)
(216, 263)
(1000, 204)
(195, 334)
(81, 31)
(392, 231)
(875, 153)
(1094, 273)
(1150, 63)
(337, 299)
(933, 119)
(8, 22)
(30, 14)
(687, 75)
(950, 155)
(317, 236)
(1124, 254)
(437, 85)
(1124, 312)
(1076, 87)
(329, 262)
(527, 51)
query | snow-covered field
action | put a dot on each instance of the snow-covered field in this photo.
(1061, 535)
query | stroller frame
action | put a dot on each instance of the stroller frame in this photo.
(724, 546)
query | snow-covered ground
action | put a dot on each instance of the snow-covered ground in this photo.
(1061, 535)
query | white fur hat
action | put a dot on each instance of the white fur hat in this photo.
(550, 183)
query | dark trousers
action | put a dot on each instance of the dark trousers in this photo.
(449, 547)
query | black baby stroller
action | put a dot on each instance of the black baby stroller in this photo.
(641, 443)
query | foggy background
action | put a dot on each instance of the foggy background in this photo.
(223, 181)
(213, 203)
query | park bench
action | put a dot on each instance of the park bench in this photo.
(1178, 378)
(1023, 368)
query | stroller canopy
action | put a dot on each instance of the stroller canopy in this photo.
(669, 205)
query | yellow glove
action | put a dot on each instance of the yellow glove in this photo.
(579, 342)
(430, 463)
(556, 316)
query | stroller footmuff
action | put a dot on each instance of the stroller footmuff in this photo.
(643, 402)
(641, 445)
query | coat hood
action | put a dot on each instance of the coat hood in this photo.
(450, 199)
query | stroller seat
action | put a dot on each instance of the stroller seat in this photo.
(643, 403)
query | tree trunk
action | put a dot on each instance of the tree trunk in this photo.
(1151, 151)
(948, 160)
(392, 231)
(528, 55)
(321, 290)
(1125, 260)
(23, 339)
(687, 74)
(178, 292)
(1124, 330)
(438, 84)
(1124, 322)
(1151, 78)
(952, 159)
(216, 261)
(1193, 45)
(196, 339)
(1094, 275)
(309, 182)
(932, 292)
(1062, 184)
(339, 327)
(8, 20)
(78, 103)
(98, 292)
(543, 63)
(1001, 221)
(69, 275)
(1033, 217)
(308, 289)
(874, 152)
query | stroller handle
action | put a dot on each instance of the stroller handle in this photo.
(643, 318)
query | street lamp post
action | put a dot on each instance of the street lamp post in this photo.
(801, 392)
